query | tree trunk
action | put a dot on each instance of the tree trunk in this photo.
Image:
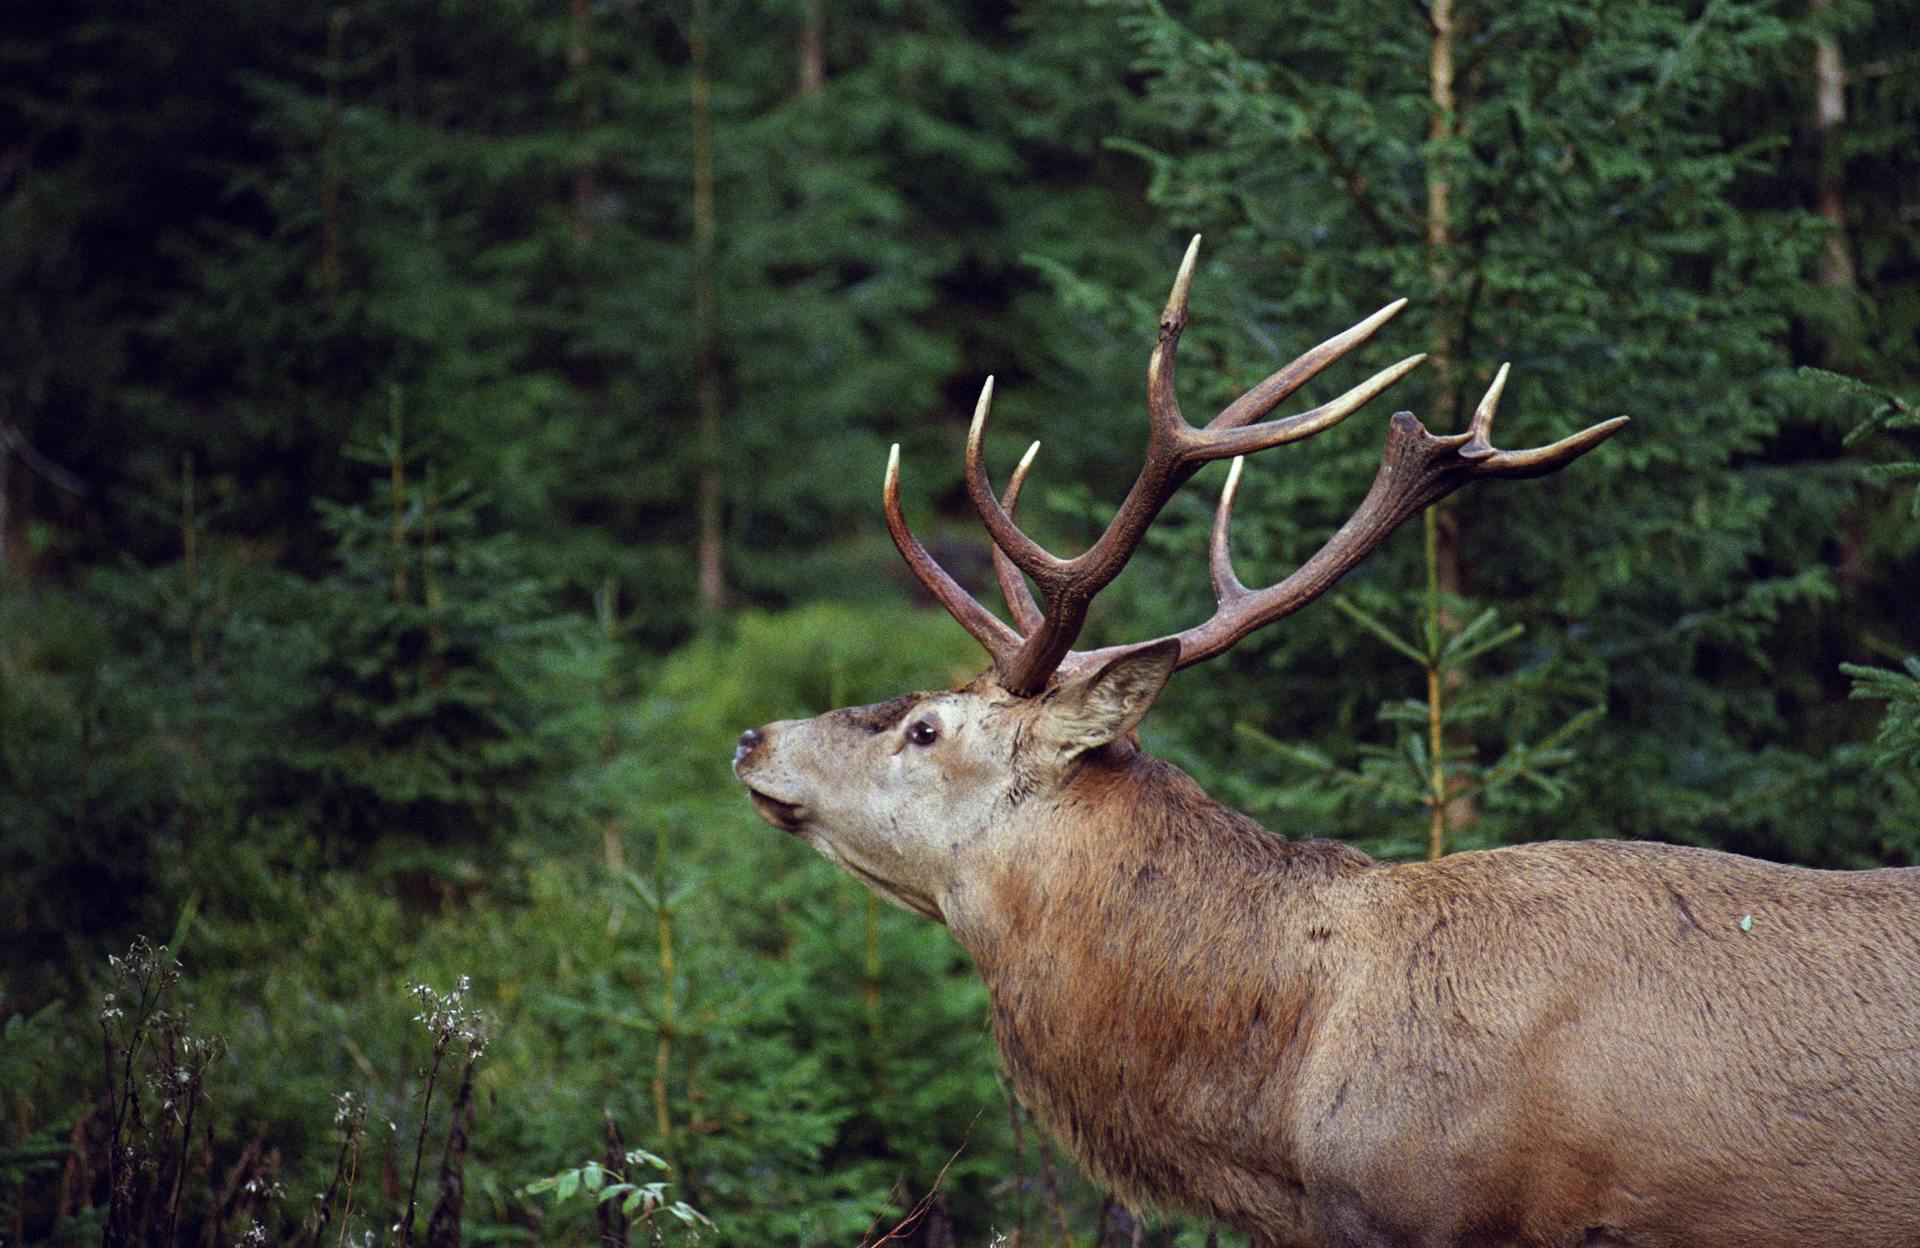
(1829, 114)
(813, 47)
(1443, 525)
(585, 188)
(330, 173)
(711, 550)
(1439, 212)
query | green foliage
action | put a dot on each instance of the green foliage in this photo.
(1897, 745)
(1413, 773)
(33, 1157)
(822, 1053)
(643, 1204)
(341, 712)
(424, 706)
(1891, 415)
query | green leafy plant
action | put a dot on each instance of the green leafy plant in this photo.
(646, 1205)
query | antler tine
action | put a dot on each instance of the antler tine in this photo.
(1026, 612)
(985, 628)
(1481, 427)
(1542, 460)
(1226, 584)
(1276, 389)
(1027, 554)
(1163, 403)
(1534, 463)
(1218, 443)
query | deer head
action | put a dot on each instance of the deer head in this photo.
(918, 795)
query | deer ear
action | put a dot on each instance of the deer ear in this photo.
(1087, 713)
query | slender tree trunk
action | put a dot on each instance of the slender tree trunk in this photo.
(1439, 209)
(1839, 330)
(607, 613)
(813, 47)
(1829, 114)
(585, 188)
(6, 468)
(330, 174)
(711, 550)
(1442, 525)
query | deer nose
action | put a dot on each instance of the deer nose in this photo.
(749, 742)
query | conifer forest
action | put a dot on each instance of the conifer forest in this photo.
(432, 430)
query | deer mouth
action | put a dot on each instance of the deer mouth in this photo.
(783, 815)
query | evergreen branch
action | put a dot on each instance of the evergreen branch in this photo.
(1349, 178)
(11, 440)
(1475, 639)
(1354, 184)
(1898, 740)
(1378, 628)
(1522, 755)
(1309, 758)
(1670, 65)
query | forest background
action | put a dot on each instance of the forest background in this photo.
(430, 430)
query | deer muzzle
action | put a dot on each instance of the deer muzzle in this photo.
(747, 754)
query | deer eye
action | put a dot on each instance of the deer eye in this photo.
(922, 733)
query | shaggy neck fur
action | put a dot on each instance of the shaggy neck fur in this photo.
(1153, 966)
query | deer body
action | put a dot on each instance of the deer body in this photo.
(1629, 1045)
(1533, 1046)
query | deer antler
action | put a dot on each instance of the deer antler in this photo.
(1175, 451)
(1417, 469)
(1026, 612)
(984, 626)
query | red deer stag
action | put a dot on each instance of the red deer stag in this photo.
(1600, 1043)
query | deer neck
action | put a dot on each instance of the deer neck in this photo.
(1153, 968)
